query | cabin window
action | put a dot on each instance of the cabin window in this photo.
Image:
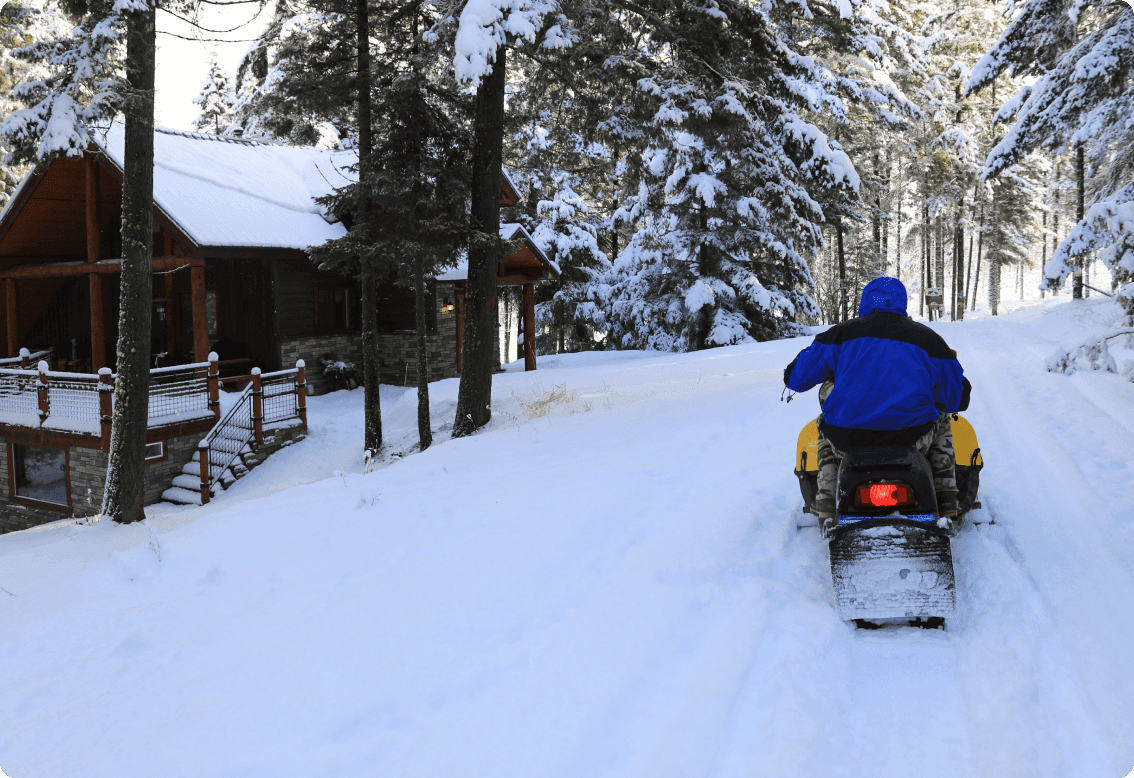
(40, 474)
(155, 452)
(395, 308)
(185, 314)
(337, 309)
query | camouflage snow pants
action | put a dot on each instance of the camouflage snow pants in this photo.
(936, 445)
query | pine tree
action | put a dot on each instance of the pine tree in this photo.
(724, 184)
(215, 99)
(1080, 55)
(84, 84)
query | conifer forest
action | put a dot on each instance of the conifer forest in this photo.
(702, 173)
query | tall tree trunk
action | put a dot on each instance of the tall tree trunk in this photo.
(1055, 235)
(474, 395)
(842, 271)
(959, 263)
(506, 296)
(898, 237)
(979, 250)
(368, 276)
(125, 471)
(923, 306)
(994, 274)
(886, 229)
(1077, 265)
(876, 219)
(1043, 256)
(424, 430)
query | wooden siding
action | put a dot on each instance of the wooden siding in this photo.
(295, 295)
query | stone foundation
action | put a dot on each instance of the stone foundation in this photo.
(87, 478)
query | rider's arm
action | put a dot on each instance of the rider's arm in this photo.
(952, 386)
(812, 366)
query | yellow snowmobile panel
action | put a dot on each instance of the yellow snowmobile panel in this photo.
(807, 448)
(964, 444)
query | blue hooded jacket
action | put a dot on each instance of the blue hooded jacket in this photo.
(893, 376)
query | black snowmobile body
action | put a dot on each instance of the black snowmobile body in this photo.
(891, 557)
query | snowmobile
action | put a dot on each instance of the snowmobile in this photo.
(891, 558)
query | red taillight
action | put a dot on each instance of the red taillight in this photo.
(884, 496)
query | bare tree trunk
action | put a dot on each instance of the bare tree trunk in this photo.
(474, 396)
(368, 276)
(125, 471)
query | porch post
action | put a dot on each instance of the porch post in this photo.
(529, 327)
(13, 319)
(301, 391)
(200, 314)
(105, 405)
(98, 333)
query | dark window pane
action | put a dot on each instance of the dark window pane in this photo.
(41, 473)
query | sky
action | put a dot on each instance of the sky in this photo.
(183, 65)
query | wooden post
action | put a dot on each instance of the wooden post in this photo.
(13, 319)
(44, 401)
(529, 327)
(92, 209)
(105, 404)
(257, 406)
(170, 326)
(214, 385)
(301, 392)
(203, 456)
(94, 249)
(25, 359)
(200, 313)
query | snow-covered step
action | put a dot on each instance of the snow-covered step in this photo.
(181, 496)
(186, 481)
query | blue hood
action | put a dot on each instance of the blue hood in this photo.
(883, 294)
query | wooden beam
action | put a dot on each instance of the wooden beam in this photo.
(200, 314)
(93, 247)
(75, 269)
(13, 319)
(529, 327)
(520, 280)
(170, 321)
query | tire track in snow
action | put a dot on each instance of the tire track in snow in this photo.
(1040, 476)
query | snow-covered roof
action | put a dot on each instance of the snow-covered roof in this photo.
(509, 232)
(230, 192)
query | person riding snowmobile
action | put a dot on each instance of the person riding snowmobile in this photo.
(895, 383)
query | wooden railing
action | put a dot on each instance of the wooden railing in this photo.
(271, 398)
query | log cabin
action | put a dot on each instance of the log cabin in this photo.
(233, 219)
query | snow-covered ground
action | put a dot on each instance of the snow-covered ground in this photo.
(617, 588)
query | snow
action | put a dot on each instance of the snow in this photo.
(509, 232)
(616, 588)
(226, 192)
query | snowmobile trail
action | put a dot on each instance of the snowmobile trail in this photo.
(1052, 551)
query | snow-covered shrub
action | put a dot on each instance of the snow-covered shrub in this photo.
(1094, 354)
(342, 373)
